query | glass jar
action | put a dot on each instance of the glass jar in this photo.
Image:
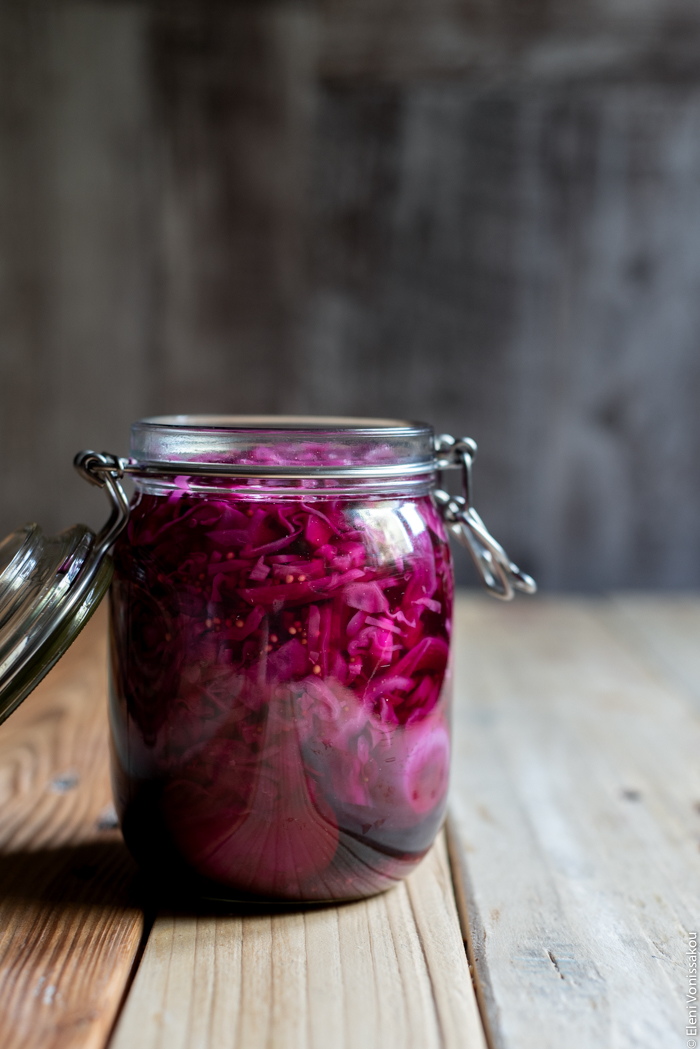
(281, 606)
(280, 623)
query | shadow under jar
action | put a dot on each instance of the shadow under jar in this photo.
(280, 624)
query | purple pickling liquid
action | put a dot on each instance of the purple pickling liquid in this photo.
(279, 707)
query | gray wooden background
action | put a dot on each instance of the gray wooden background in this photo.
(484, 213)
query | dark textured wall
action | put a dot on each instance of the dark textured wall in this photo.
(486, 215)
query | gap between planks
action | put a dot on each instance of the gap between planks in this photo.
(576, 781)
(575, 816)
(70, 926)
(389, 972)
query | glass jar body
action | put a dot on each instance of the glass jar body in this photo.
(280, 686)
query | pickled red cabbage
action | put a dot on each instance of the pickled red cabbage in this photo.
(279, 712)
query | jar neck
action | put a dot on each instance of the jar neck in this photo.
(292, 448)
(297, 489)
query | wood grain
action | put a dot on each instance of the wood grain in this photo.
(575, 826)
(75, 236)
(389, 973)
(483, 214)
(474, 246)
(506, 39)
(70, 926)
(668, 627)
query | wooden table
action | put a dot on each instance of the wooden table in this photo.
(570, 892)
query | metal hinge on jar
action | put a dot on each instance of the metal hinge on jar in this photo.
(106, 471)
(499, 574)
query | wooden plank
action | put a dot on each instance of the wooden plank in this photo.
(668, 626)
(575, 827)
(429, 39)
(70, 928)
(484, 214)
(520, 234)
(233, 88)
(76, 177)
(389, 972)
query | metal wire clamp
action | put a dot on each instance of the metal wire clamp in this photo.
(105, 471)
(499, 574)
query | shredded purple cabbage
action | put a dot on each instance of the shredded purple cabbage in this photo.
(279, 715)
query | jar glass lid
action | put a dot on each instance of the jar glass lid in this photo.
(49, 588)
(47, 594)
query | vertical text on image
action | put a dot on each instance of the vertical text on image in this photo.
(692, 995)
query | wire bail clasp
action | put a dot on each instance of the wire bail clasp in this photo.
(106, 471)
(500, 575)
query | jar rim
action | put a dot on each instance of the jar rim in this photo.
(286, 423)
(293, 446)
